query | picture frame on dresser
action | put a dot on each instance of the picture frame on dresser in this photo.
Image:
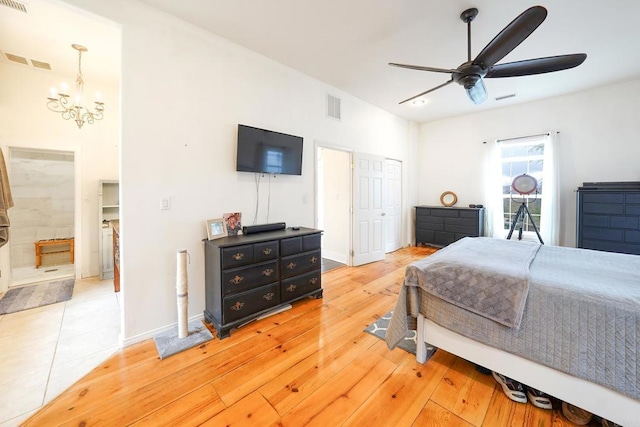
(216, 228)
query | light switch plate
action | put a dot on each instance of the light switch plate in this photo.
(165, 204)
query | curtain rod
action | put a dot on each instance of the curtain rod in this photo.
(523, 137)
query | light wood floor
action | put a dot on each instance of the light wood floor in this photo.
(311, 365)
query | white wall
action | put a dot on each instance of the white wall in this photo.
(598, 141)
(26, 122)
(184, 91)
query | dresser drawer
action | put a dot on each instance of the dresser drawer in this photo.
(298, 264)
(290, 246)
(265, 251)
(311, 242)
(241, 279)
(236, 307)
(237, 256)
(300, 285)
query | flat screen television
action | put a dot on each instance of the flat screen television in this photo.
(265, 151)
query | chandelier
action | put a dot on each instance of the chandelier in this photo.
(59, 101)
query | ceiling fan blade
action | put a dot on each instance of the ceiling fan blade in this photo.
(426, 92)
(536, 66)
(511, 36)
(421, 68)
(478, 92)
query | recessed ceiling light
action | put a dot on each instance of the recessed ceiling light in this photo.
(419, 102)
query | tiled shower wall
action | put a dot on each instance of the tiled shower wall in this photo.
(42, 185)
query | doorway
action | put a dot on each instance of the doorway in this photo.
(340, 187)
(43, 188)
(333, 190)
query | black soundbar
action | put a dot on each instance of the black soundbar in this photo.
(261, 228)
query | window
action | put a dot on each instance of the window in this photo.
(522, 157)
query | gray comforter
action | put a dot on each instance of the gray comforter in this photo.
(581, 317)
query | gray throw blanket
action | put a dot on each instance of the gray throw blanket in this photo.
(489, 277)
(486, 276)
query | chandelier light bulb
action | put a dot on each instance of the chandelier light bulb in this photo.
(64, 88)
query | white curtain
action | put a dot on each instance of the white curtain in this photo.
(494, 209)
(550, 209)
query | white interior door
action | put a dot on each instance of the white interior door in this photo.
(368, 208)
(393, 202)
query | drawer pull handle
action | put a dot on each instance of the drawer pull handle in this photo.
(237, 280)
(313, 280)
(268, 272)
(238, 256)
(266, 251)
(291, 287)
(313, 260)
(269, 296)
(291, 266)
(237, 306)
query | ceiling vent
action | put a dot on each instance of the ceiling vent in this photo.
(15, 58)
(16, 5)
(333, 107)
(40, 64)
(500, 98)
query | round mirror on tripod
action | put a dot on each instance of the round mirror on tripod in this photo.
(524, 185)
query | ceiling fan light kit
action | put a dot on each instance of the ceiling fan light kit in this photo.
(471, 73)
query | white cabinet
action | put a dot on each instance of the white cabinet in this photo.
(107, 253)
(108, 210)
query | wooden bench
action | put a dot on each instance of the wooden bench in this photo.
(54, 243)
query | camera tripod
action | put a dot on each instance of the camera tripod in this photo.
(518, 219)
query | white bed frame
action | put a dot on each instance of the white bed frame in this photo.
(592, 397)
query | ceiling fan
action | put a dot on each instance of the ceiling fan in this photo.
(470, 74)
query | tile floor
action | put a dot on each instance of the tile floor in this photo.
(45, 350)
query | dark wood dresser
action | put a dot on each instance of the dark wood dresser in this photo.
(440, 226)
(609, 217)
(250, 275)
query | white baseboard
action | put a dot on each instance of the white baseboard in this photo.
(150, 334)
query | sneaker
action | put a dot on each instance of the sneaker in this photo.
(538, 398)
(513, 389)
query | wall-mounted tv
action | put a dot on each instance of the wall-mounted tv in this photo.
(265, 151)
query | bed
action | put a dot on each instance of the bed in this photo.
(563, 320)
